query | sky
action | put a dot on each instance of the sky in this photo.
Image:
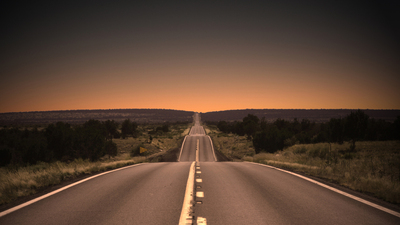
(199, 55)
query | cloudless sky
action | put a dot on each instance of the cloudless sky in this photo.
(199, 55)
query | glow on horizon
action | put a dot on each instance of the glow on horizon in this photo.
(209, 93)
(194, 87)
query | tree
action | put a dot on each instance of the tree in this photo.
(306, 125)
(356, 125)
(270, 140)
(34, 147)
(336, 130)
(263, 124)
(164, 128)
(90, 140)
(296, 126)
(5, 155)
(396, 128)
(250, 125)
(223, 126)
(110, 148)
(128, 128)
(111, 127)
(280, 123)
(60, 140)
(238, 128)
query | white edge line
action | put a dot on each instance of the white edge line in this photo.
(186, 207)
(183, 143)
(212, 146)
(59, 190)
(394, 213)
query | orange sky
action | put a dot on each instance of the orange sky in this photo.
(206, 62)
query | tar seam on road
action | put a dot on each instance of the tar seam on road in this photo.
(212, 147)
(394, 213)
(183, 143)
(59, 190)
(186, 213)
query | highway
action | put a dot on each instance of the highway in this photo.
(226, 193)
(245, 193)
(149, 193)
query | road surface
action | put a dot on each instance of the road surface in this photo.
(226, 193)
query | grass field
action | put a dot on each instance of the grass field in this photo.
(373, 168)
(232, 146)
(16, 182)
(24, 181)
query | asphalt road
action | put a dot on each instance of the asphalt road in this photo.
(245, 193)
(188, 153)
(227, 193)
(144, 194)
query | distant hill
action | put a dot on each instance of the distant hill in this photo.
(315, 115)
(80, 116)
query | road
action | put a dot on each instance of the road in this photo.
(144, 194)
(226, 193)
(245, 193)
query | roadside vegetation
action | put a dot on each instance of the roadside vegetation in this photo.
(373, 167)
(33, 158)
(357, 152)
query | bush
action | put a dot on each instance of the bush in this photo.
(223, 126)
(266, 141)
(60, 140)
(128, 128)
(91, 138)
(111, 148)
(300, 150)
(111, 127)
(318, 151)
(356, 125)
(136, 151)
(290, 141)
(5, 155)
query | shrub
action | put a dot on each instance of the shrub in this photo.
(128, 128)
(60, 140)
(111, 148)
(300, 149)
(269, 140)
(136, 151)
(90, 140)
(5, 155)
(318, 151)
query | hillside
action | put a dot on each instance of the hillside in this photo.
(80, 116)
(316, 115)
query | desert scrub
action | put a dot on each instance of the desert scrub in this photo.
(373, 168)
(232, 146)
(24, 181)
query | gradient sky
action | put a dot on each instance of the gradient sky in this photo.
(199, 55)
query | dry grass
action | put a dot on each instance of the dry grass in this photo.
(374, 167)
(232, 146)
(159, 143)
(186, 131)
(24, 181)
(207, 130)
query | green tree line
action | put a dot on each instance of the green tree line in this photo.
(271, 137)
(61, 141)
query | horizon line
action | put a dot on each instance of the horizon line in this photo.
(66, 110)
